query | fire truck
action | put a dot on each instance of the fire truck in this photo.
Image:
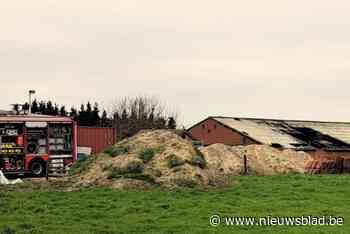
(36, 144)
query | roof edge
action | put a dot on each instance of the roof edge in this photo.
(226, 126)
(269, 119)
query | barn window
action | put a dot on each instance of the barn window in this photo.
(209, 130)
(203, 126)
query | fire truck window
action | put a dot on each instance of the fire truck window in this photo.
(60, 139)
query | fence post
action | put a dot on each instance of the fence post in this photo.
(245, 165)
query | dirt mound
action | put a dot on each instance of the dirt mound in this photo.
(149, 158)
(261, 159)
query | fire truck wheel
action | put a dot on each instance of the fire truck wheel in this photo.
(37, 168)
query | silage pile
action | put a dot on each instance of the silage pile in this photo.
(157, 157)
(161, 157)
(261, 159)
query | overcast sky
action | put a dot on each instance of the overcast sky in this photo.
(275, 58)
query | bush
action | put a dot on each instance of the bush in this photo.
(174, 161)
(198, 161)
(115, 151)
(146, 155)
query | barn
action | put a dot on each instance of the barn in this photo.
(319, 139)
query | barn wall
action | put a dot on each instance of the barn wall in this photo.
(329, 154)
(325, 162)
(211, 132)
(97, 138)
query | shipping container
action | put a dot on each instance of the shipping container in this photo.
(97, 138)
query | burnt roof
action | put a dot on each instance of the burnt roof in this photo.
(294, 134)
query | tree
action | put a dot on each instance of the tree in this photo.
(160, 123)
(139, 113)
(73, 114)
(49, 109)
(150, 120)
(16, 108)
(171, 123)
(104, 119)
(82, 116)
(124, 115)
(95, 115)
(55, 110)
(25, 107)
(63, 111)
(88, 115)
(35, 107)
(42, 107)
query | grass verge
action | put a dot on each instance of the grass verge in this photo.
(179, 211)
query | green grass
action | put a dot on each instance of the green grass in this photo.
(179, 211)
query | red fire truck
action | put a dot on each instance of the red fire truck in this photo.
(31, 144)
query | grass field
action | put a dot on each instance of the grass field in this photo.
(181, 211)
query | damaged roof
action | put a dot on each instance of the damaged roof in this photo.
(294, 134)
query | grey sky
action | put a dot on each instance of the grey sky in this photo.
(273, 58)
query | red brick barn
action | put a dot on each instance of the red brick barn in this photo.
(326, 140)
(211, 131)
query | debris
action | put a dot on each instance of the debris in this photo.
(4, 180)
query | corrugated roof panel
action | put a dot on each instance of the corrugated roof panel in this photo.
(339, 131)
(262, 131)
